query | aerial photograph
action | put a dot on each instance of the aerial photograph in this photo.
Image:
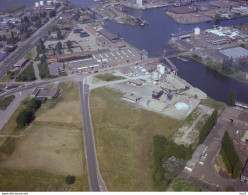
(123, 96)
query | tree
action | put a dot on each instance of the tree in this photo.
(52, 13)
(24, 118)
(34, 104)
(69, 44)
(59, 47)
(70, 179)
(41, 47)
(59, 35)
(231, 98)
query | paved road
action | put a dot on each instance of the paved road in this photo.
(89, 138)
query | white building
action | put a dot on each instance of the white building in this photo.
(139, 2)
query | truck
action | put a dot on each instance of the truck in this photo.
(12, 87)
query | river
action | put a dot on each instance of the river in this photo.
(154, 39)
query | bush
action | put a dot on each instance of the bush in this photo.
(5, 102)
(24, 118)
(44, 70)
(70, 179)
(168, 159)
(28, 74)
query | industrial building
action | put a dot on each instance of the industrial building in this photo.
(236, 53)
(244, 173)
(220, 4)
(83, 64)
(56, 68)
(136, 82)
(42, 93)
(109, 35)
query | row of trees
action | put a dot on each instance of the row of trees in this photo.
(26, 116)
(230, 156)
(210, 123)
(168, 159)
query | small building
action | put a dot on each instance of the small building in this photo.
(56, 68)
(22, 62)
(42, 93)
(53, 35)
(136, 82)
(244, 173)
(190, 165)
(130, 97)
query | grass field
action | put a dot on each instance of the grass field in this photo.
(36, 180)
(123, 136)
(219, 106)
(52, 147)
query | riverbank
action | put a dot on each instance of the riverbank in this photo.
(13, 8)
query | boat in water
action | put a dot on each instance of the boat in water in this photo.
(183, 59)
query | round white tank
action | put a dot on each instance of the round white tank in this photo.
(49, 2)
(41, 3)
(197, 31)
(37, 4)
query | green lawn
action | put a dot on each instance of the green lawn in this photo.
(123, 136)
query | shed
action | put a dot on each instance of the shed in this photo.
(109, 35)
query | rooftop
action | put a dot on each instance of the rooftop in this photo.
(54, 68)
(109, 35)
(235, 52)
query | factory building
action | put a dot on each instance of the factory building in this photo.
(236, 53)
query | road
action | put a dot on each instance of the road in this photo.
(91, 158)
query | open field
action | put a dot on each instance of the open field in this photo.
(123, 136)
(109, 77)
(36, 180)
(56, 150)
(50, 147)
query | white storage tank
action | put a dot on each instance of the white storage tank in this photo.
(41, 3)
(197, 31)
(37, 4)
(139, 2)
(49, 2)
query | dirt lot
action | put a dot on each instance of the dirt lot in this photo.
(67, 114)
(53, 149)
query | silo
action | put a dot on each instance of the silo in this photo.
(37, 4)
(41, 3)
(49, 2)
